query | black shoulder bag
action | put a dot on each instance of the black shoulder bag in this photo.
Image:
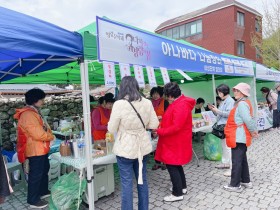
(137, 114)
(218, 130)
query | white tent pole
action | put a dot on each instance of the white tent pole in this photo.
(87, 127)
(214, 89)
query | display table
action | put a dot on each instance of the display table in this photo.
(80, 163)
(204, 129)
(264, 120)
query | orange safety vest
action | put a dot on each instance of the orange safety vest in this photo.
(231, 127)
(100, 134)
(160, 109)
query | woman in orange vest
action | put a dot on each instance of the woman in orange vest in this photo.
(160, 105)
(239, 130)
(101, 116)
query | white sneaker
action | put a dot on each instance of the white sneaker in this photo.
(248, 185)
(184, 191)
(171, 198)
(233, 189)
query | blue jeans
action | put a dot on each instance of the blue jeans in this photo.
(126, 169)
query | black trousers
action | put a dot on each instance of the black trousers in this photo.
(276, 119)
(38, 179)
(178, 179)
(240, 168)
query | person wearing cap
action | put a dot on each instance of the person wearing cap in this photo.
(271, 98)
(239, 130)
(101, 116)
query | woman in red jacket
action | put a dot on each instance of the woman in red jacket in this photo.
(175, 139)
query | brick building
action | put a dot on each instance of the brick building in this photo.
(224, 27)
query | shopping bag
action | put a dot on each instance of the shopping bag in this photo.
(212, 149)
(66, 193)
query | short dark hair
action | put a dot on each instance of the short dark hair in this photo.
(109, 98)
(172, 89)
(265, 89)
(200, 100)
(158, 90)
(101, 100)
(129, 88)
(218, 98)
(223, 89)
(34, 95)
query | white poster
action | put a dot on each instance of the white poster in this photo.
(184, 75)
(125, 70)
(139, 76)
(165, 75)
(109, 74)
(151, 76)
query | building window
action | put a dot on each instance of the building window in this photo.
(194, 28)
(169, 33)
(240, 18)
(257, 25)
(175, 33)
(240, 48)
(182, 31)
(163, 33)
(185, 30)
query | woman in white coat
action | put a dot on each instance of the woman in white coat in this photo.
(131, 116)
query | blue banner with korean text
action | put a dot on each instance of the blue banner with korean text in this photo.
(124, 44)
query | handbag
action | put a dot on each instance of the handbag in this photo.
(218, 130)
(137, 114)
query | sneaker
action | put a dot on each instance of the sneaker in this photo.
(233, 189)
(171, 198)
(39, 205)
(163, 167)
(184, 191)
(228, 173)
(48, 194)
(248, 185)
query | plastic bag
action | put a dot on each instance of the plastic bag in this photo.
(66, 192)
(212, 149)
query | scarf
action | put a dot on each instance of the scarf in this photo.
(156, 102)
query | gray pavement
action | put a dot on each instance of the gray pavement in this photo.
(204, 183)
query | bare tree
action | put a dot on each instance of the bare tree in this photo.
(269, 47)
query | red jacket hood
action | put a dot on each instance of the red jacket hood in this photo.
(20, 111)
(190, 102)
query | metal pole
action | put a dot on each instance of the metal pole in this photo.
(87, 127)
(214, 89)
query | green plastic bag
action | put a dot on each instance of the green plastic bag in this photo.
(212, 149)
(66, 193)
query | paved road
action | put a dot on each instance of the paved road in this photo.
(205, 183)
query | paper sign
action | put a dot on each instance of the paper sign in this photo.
(109, 74)
(165, 75)
(209, 117)
(125, 70)
(139, 76)
(184, 75)
(151, 76)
